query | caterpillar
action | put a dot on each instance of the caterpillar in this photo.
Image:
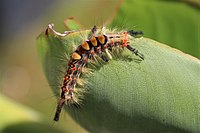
(96, 44)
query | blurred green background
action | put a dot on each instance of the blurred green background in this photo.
(173, 22)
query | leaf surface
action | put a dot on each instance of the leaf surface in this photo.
(172, 22)
(159, 94)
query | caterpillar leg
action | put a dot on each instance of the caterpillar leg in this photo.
(104, 58)
(135, 51)
(135, 33)
(93, 32)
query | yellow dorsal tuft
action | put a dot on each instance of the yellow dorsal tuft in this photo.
(85, 45)
(76, 56)
(101, 39)
(93, 41)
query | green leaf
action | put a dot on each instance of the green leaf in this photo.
(72, 23)
(15, 117)
(12, 113)
(169, 21)
(158, 94)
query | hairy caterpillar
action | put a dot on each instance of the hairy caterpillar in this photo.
(96, 44)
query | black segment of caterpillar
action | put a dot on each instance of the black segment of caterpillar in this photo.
(96, 44)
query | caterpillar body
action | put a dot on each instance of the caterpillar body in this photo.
(96, 44)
